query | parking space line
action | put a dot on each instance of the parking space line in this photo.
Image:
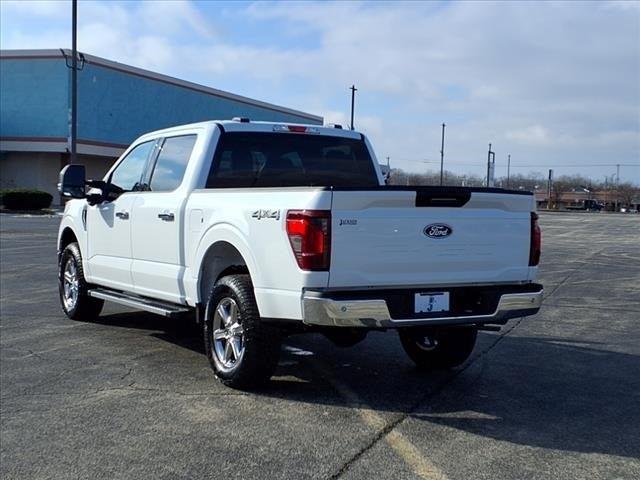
(398, 442)
(414, 458)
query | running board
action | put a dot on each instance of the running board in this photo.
(158, 307)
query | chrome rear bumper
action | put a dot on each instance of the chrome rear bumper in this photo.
(374, 313)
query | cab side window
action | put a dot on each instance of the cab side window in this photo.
(172, 162)
(128, 173)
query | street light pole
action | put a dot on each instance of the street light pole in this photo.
(74, 80)
(488, 164)
(353, 99)
(491, 155)
(442, 155)
(508, 170)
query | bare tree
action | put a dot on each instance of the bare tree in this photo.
(531, 182)
(400, 177)
(628, 194)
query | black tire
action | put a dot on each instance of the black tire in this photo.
(78, 306)
(439, 348)
(257, 343)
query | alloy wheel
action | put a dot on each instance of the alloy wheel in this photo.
(228, 334)
(70, 284)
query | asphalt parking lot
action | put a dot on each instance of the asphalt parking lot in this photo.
(132, 395)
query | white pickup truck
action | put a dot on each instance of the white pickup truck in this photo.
(266, 229)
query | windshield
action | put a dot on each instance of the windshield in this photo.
(252, 159)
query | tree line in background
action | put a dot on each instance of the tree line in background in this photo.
(627, 193)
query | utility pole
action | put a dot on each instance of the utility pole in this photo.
(508, 169)
(617, 185)
(353, 99)
(549, 182)
(74, 80)
(442, 155)
(387, 177)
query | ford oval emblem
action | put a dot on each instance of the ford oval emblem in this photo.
(437, 230)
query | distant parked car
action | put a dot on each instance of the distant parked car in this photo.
(587, 205)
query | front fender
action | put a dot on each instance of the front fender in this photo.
(76, 225)
(73, 220)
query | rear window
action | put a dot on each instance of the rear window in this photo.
(172, 162)
(250, 159)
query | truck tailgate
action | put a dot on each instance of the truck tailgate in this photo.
(380, 237)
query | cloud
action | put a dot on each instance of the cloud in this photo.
(40, 8)
(535, 134)
(557, 81)
(371, 124)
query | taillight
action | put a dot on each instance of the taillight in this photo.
(536, 241)
(309, 233)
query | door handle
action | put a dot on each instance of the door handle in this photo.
(122, 215)
(167, 217)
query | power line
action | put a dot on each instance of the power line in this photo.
(580, 165)
(436, 161)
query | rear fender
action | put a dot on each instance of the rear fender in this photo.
(226, 233)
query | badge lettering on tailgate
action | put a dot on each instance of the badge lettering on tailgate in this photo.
(348, 221)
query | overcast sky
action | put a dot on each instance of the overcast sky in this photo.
(556, 85)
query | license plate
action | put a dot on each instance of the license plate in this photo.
(432, 302)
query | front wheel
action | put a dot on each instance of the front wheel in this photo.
(438, 348)
(242, 350)
(72, 286)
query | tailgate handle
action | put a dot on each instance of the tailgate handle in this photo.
(441, 199)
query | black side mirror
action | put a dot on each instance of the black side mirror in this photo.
(72, 181)
(95, 196)
(102, 191)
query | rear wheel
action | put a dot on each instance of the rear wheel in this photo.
(242, 350)
(75, 301)
(440, 348)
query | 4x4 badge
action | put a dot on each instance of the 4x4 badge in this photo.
(260, 214)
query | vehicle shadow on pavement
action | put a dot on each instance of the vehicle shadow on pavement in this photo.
(549, 393)
(537, 392)
(183, 332)
(546, 392)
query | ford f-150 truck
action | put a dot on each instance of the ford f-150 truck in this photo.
(260, 230)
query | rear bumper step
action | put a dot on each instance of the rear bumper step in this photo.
(374, 313)
(158, 307)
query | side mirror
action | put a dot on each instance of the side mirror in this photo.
(72, 181)
(102, 191)
(95, 196)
